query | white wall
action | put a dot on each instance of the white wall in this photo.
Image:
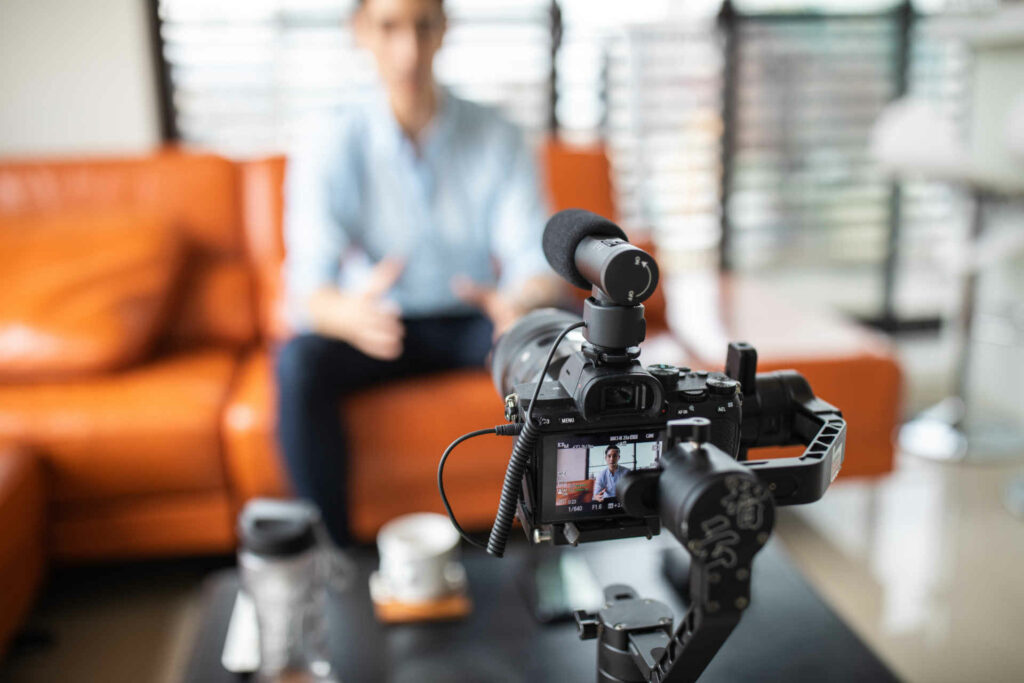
(76, 77)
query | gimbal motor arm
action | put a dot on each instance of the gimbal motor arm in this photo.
(722, 511)
(723, 515)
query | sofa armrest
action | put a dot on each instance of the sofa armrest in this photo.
(22, 536)
(383, 459)
(252, 461)
(846, 364)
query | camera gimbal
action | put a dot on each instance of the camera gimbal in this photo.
(702, 489)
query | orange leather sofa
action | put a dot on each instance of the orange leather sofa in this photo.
(134, 456)
(155, 458)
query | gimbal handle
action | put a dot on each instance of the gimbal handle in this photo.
(722, 515)
(636, 640)
(810, 422)
(780, 409)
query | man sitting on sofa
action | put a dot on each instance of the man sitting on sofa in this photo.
(413, 228)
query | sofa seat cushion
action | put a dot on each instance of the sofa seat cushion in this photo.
(150, 429)
(253, 461)
(83, 293)
(397, 432)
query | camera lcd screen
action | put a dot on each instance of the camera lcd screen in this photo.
(588, 468)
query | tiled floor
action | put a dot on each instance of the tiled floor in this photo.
(111, 624)
(925, 565)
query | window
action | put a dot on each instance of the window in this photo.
(245, 76)
(759, 125)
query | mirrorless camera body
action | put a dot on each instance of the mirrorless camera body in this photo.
(588, 404)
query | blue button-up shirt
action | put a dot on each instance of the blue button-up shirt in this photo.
(607, 481)
(466, 201)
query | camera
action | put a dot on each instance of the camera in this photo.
(599, 420)
(587, 464)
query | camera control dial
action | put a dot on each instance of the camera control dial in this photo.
(668, 375)
(722, 386)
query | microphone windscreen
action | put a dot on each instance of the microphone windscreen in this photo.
(564, 232)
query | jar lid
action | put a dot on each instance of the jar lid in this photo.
(277, 527)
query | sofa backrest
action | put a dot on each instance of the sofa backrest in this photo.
(198, 194)
(578, 177)
(230, 215)
(263, 227)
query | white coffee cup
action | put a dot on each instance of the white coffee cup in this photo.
(419, 557)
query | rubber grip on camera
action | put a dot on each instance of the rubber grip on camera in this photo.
(726, 435)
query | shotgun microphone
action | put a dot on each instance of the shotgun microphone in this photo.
(588, 251)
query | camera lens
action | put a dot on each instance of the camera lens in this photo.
(519, 354)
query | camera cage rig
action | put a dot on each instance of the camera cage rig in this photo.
(720, 509)
(779, 409)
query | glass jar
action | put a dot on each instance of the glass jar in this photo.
(284, 573)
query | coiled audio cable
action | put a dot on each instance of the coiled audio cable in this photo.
(511, 489)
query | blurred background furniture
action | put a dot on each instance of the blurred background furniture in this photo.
(913, 140)
(849, 365)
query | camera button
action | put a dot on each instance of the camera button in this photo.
(722, 386)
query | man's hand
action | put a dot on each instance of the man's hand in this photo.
(500, 309)
(362, 317)
(540, 290)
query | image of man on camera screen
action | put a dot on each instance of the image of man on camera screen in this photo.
(641, 456)
(604, 483)
(413, 230)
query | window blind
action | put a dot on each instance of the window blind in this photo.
(246, 76)
(650, 79)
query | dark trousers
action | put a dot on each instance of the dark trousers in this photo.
(314, 372)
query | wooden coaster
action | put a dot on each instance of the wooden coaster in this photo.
(455, 606)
